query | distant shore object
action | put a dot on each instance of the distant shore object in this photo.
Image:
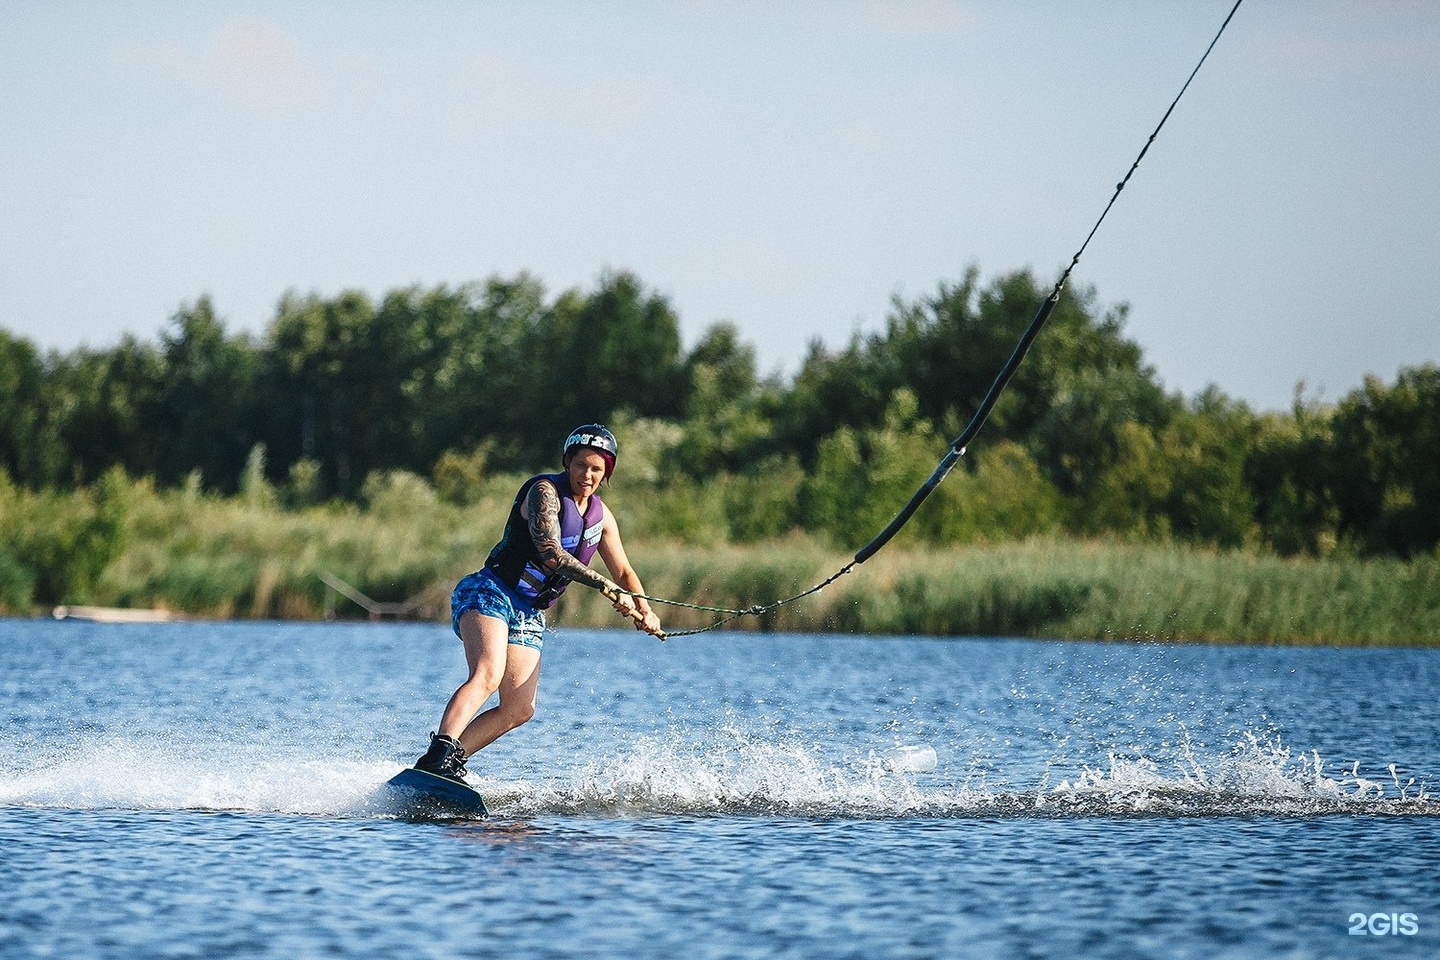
(911, 759)
(113, 614)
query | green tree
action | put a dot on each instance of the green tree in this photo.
(1289, 469)
(30, 449)
(1387, 462)
(104, 404)
(204, 410)
(354, 381)
(1204, 449)
(487, 347)
(863, 476)
(1079, 437)
(362, 388)
(59, 542)
(1126, 497)
(763, 503)
(617, 348)
(948, 348)
(999, 494)
(726, 425)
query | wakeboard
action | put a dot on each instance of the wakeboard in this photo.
(433, 793)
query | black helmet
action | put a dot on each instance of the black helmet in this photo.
(596, 437)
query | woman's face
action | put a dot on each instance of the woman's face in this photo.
(586, 470)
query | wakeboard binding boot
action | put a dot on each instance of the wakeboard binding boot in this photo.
(445, 758)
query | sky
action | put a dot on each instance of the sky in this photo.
(791, 168)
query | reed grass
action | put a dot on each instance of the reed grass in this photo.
(1071, 588)
(216, 557)
(247, 557)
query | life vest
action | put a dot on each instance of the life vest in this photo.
(515, 559)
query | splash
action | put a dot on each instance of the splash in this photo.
(1259, 775)
(727, 772)
(155, 773)
(736, 775)
(745, 775)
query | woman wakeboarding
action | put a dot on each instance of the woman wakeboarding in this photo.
(557, 523)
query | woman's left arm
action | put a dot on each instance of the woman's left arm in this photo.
(612, 551)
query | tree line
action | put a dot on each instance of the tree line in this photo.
(457, 383)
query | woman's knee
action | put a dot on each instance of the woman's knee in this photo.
(484, 681)
(517, 714)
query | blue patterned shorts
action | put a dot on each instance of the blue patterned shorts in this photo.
(483, 592)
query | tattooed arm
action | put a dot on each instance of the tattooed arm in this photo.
(542, 513)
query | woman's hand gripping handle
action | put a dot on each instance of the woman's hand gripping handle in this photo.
(625, 605)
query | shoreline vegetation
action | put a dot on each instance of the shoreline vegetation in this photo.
(124, 543)
(379, 440)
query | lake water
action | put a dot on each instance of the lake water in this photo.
(211, 790)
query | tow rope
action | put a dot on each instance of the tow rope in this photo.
(960, 443)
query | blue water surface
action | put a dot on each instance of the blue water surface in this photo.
(214, 790)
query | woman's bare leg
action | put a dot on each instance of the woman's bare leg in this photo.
(485, 640)
(518, 688)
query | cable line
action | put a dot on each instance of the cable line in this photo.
(960, 443)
